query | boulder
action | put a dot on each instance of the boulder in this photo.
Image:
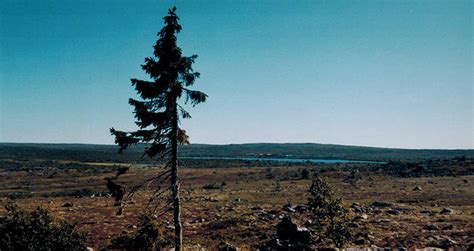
(448, 227)
(289, 208)
(361, 217)
(384, 221)
(68, 204)
(287, 230)
(354, 225)
(301, 208)
(289, 237)
(381, 204)
(431, 227)
(360, 241)
(393, 212)
(357, 208)
(446, 243)
(447, 210)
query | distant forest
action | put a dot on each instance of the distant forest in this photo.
(108, 153)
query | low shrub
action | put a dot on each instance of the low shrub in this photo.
(150, 236)
(35, 230)
(330, 216)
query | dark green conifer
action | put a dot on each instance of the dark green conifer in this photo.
(159, 110)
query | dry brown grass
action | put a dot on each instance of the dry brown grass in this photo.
(233, 212)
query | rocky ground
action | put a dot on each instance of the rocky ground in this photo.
(247, 204)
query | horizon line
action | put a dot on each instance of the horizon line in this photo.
(249, 143)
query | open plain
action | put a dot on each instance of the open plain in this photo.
(243, 205)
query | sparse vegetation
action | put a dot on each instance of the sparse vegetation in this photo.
(35, 230)
(149, 236)
(305, 174)
(330, 215)
(250, 206)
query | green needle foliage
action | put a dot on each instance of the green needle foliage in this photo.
(35, 230)
(149, 236)
(330, 216)
(160, 108)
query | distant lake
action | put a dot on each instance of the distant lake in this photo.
(292, 160)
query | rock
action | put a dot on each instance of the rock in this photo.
(447, 210)
(131, 226)
(393, 212)
(287, 230)
(448, 227)
(360, 241)
(361, 217)
(381, 204)
(400, 247)
(384, 221)
(198, 220)
(224, 246)
(89, 249)
(289, 237)
(289, 208)
(431, 227)
(354, 225)
(377, 211)
(446, 243)
(301, 208)
(357, 208)
(417, 188)
(68, 204)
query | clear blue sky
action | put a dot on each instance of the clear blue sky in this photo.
(375, 73)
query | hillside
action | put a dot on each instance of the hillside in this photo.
(102, 153)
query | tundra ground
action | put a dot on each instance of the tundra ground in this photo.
(246, 204)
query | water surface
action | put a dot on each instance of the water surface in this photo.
(289, 160)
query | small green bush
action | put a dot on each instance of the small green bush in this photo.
(149, 236)
(21, 230)
(330, 215)
(305, 174)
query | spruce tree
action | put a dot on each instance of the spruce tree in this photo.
(159, 110)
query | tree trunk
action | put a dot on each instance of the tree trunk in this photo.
(178, 241)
